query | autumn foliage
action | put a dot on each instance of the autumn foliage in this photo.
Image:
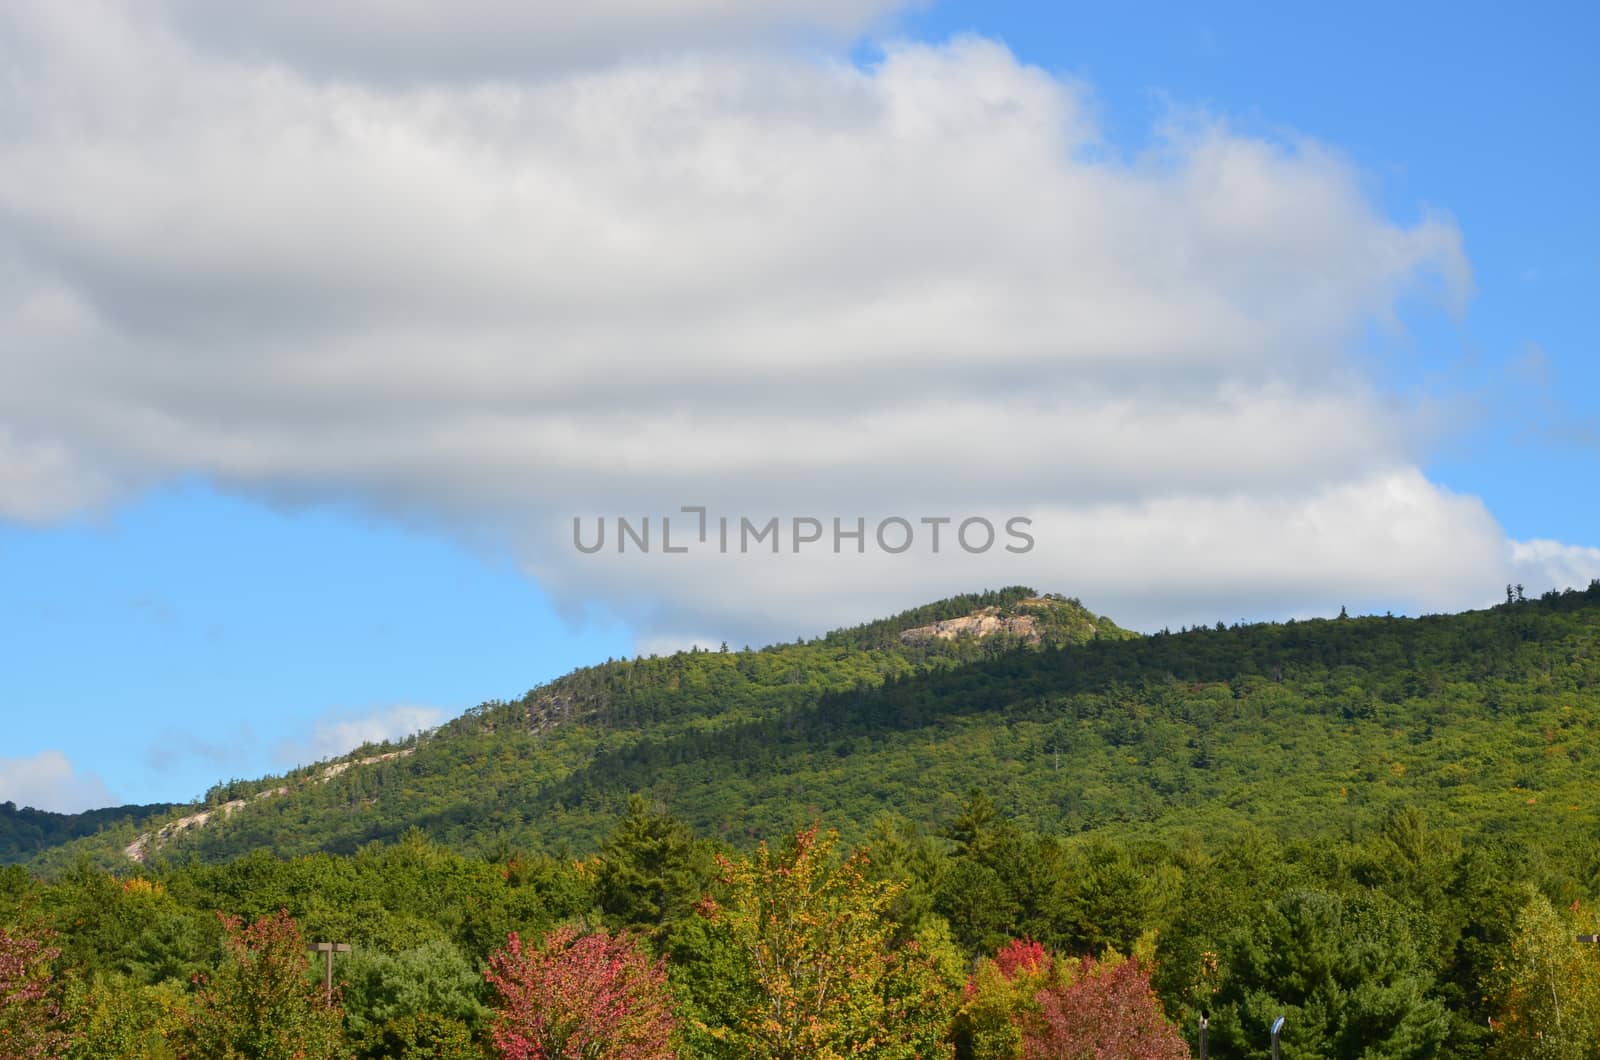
(263, 1002)
(28, 1016)
(1000, 996)
(584, 996)
(1105, 1010)
(1027, 1002)
(826, 981)
(1023, 957)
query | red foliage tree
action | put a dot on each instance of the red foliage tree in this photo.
(29, 1019)
(1106, 1011)
(1023, 955)
(581, 996)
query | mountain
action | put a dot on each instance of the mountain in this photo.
(1068, 722)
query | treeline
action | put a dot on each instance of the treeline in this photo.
(977, 939)
(1488, 718)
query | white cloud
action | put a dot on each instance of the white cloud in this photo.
(1543, 564)
(332, 736)
(1388, 539)
(49, 781)
(502, 38)
(741, 278)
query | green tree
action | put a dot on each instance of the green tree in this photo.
(424, 1036)
(652, 869)
(1343, 971)
(433, 978)
(114, 1015)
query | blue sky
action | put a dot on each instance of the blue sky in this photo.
(191, 637)
(231, 544)
(1473, 109)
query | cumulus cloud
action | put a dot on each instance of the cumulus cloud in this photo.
(703, 272)
(334, 735)
(476, 39)
(1543, 564)
(49, 781)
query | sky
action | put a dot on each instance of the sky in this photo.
(328, 332)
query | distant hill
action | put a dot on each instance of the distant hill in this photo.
(1067, 721)
(26, 832)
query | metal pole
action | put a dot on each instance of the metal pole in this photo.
(1277, 1028)
(1204, 1023)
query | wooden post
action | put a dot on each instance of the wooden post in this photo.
(328, 949)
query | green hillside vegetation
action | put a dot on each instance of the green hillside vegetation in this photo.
(1487, 718)
(1382, 829)
(518, 774)
(26, 832)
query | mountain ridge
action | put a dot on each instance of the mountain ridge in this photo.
(1054, 620)
(1269, 723)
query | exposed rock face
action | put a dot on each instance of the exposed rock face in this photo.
(978, 624)
(984, 623)
(139, 849)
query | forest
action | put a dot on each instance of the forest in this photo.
(1067, 842)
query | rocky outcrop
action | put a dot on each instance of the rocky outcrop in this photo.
(140, 848)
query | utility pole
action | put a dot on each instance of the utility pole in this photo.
(1277, 1028)
(1204, 1024)
(328, 949)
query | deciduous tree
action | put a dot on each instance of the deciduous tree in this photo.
(581, 996)
(1548, 987)
(1106, 1010)
(827, 984)
(263, 1004)
(1000, 995)
(29, 1017)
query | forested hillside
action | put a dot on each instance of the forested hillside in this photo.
(25, 831)
(1488, 718)
(543, 770)
(1057, 839)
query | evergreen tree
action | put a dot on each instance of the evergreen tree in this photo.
(1344, 972)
